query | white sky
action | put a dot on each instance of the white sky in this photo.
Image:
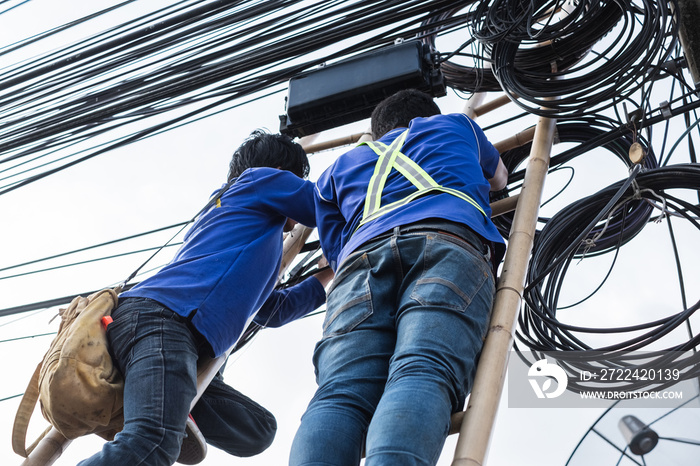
(166, 179)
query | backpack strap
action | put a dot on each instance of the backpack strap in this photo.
(24, 414)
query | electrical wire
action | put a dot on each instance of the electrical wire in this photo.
(193, 59)
(604, 77)
(578, 131)
(227, 50)
(94, 246)
(536, 58)
(565, 237)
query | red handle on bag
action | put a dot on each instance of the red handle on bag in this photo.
(106, 320)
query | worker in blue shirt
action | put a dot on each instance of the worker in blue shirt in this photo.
(221, 279)
(405, 223)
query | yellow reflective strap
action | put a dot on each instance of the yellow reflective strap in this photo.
(391, 157)
(465, 197)
(381, 171)
(376, 183)
(414, 173)
(394, 205)
(401, 202)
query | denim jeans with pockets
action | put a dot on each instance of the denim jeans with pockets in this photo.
(156, 351)
(405, 322)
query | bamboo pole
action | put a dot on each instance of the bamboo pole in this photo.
(308, 140)
(480, 415)
(331, 144)
(48, 450)
(517, 140)
(474, 101)
(366, 136)
(491, 105)
(503, 206)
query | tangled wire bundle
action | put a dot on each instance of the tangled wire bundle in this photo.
(541, 52)
(577, 131)
(567, 235)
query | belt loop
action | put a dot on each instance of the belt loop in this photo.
(397, 231)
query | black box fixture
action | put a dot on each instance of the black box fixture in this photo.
(348, 90)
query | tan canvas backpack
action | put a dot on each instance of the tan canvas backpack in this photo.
(79, 390)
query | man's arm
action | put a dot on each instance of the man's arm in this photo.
(500, 178)
(326, 274)
(284, 306)
(330, 222)
(487, 152)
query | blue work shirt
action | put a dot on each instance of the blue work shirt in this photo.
(452, 149)
(228, 265)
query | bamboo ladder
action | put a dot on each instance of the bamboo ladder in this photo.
(477, 421)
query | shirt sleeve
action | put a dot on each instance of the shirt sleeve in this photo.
(330, 219)
(289, 304)
(488, 154)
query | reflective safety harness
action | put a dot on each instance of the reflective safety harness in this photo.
(391, 157)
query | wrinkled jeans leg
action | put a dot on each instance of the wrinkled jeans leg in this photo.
(404, 323)
(442, 317)
(157, 353)
(233, 422)
(352, 362)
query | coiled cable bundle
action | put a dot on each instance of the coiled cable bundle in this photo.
(578, 131)
(567, 236)
(589, 57)
(475, 78)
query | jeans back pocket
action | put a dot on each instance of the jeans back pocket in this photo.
(350, 300)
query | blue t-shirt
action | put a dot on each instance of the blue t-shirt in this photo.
(452, 149)
(228, 265)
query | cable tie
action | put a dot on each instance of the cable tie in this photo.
(591, 242)
(664, 209)
(665, 108)
(636, 192)
(634, 117)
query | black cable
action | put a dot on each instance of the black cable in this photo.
(61, 97)
(49, 303)
(94, 246)
(92, 260)
(534, 66)
(561, 240)
(27, 337)
(580, 131)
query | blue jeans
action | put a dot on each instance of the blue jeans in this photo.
(406, 317)
(157, 353)
(233, 422)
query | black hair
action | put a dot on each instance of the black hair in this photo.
(398, 109)
(263, 149)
